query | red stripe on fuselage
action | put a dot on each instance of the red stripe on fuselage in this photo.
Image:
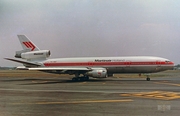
(105, 63)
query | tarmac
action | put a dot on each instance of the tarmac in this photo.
(59, 96)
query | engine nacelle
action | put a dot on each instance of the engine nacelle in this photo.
(97, 73)
(18, 53)
(35, 54)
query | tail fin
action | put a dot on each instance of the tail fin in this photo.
(27, 44)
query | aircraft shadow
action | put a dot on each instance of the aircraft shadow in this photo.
(56, 81)
(33, 81)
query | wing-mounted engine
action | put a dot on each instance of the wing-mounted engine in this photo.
(97, 73)
(41, 54)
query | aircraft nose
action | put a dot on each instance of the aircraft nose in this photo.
(172, 63)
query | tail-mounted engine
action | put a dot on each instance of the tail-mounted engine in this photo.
(97, 73)
(33, 55)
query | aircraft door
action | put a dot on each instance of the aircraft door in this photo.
(158, 63)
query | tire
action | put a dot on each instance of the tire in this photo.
(148, 79)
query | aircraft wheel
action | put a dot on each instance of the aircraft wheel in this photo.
(75, 79)
(81, 78)
(148, 79)
(86, 78)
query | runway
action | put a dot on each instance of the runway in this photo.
(43, 95)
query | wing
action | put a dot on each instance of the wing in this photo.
(64, 70)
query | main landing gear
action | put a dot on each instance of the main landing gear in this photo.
(84, 78)
(78, 78)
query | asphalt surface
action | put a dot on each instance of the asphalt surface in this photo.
(52, 96)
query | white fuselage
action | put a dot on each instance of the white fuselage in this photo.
(132, 64)
(96, 67)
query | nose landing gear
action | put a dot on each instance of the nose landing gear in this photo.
(147, 75)
(148, 78)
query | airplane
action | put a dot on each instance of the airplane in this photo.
(85, 67)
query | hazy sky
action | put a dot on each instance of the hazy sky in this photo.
(76, 28)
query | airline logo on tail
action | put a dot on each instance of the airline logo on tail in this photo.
(29, 45)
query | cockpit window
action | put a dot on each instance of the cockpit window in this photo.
(167, 61)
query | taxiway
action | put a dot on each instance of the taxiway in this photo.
(37, 96)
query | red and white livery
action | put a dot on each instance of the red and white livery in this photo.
(97, 67)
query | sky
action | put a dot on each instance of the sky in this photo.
(84, 28)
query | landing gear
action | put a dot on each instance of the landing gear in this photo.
(83, 78)
(75, 79)
(86, 78)
(148, 79)
(147, 75)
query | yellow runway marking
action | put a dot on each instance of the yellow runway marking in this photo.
(162, 95)
(167, 83)
(78, 102)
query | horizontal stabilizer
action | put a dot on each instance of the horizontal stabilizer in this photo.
(23, 62)
(21, 68)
